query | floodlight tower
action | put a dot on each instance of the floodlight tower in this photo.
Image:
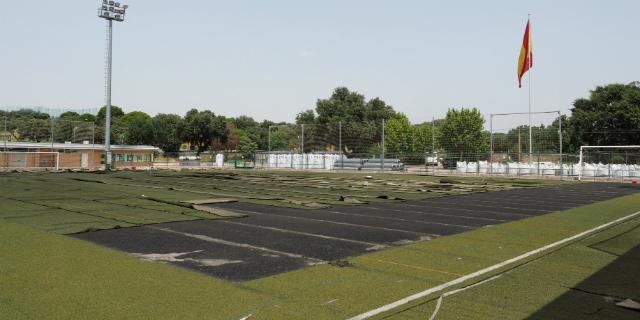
(110, 11)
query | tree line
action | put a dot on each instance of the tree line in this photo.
(609, 116)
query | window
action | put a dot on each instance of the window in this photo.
(143, 158)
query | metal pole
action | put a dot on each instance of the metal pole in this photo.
(7, 134)
(519, 146)
(530, 72)
(580, 166)
(434, 159)
(491, 144)
(269, 148)
(107, 122)
(560, 136)
(302, 147)
(52, 128)
(340, 144)
(269, 139)
(382, 149)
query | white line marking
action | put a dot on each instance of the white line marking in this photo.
(472, 203)
(433, 213)
(330, 302)
(400, 219)
(439, 303)
(371, 246)
(480, 211)
(338, 222)
(310, 261)
(462, 279)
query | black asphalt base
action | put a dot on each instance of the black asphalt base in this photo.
(272, 240)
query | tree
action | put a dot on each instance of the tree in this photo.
(200, 128)
(132, 116)
(133, 128)
(117, 132)
(285, 137)
(165, 135)
(247, 126)
(423, 138)
(138, 131)
(610, 116)
(462, 135)
(116, 112)
(247, 148)
(399, 136)
(306, 117)
(87, 117)
(27, 125)
(361, 120)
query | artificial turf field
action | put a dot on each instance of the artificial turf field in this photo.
(49, 275)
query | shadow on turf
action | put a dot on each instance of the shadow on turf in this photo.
(596, 297)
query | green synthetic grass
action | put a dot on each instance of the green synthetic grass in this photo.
(570, 283)
(51, 276)
(47, 276)
(76, 202)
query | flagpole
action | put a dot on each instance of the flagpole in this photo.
(530, 71)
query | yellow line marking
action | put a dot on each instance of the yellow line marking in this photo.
(411, 266)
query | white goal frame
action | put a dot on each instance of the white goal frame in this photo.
(582, 148)
(5, 163)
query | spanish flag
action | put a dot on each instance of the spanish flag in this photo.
(525, 61)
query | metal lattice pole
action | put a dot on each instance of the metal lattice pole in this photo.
(107, 97)
(109, 11)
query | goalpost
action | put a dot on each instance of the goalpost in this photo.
(12, 160)
(633, 169)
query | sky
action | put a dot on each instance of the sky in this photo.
(273, 59)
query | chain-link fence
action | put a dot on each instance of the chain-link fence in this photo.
(45, 129)
(609, 163)
(509, 148)
(35, 140)
(428, 148)
(512, 150)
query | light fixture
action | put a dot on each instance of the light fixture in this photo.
(111, 10)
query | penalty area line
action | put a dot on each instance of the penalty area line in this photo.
(494, 267)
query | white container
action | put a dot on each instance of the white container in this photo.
(219, 160)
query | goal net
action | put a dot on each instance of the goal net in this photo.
(23, 160)
(611, 162)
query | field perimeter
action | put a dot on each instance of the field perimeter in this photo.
(310, 246)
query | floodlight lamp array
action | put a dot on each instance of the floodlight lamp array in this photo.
(112, 10)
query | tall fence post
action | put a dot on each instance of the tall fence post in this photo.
(340, 144)
(382, 149)
(269, 148)
(491, 144)
(560, 138)
(302, 148)
(52, 129)
(434, 159)
(8, 136)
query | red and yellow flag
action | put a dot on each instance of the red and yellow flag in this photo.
(525, 61)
